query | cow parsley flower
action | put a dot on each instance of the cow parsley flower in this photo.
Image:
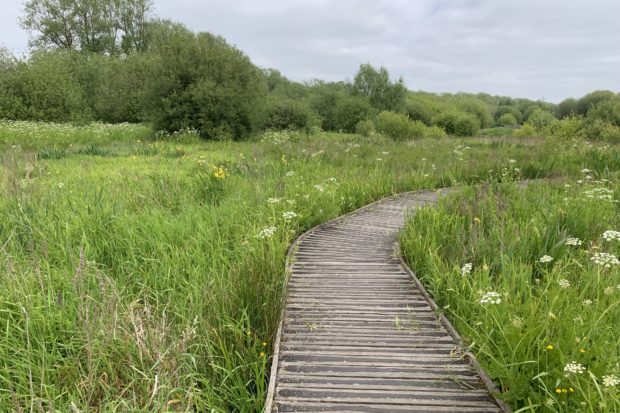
(466, 270)
(274, 200)
(491, 297)
(290, 173)
(574, 368)
(564, 283)
(546, 258)
(586, 302)
(267, 232)
(574, 242)
(605, 259)
(610, 380)
(288, 215)
(319, 187)
(611, 235)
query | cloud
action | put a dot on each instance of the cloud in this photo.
(552, 49)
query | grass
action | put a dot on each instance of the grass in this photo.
(548, 304)
(137, 274)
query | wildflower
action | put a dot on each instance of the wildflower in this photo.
(610, 380)
(218, 172)
(466, 270)
(585, 171)
(379, 159)
(611, 235)
(267, 232)
(264, 344)
(517, 322)
(288, 215)
(61, 185)
(549, 402)
(332, 179)
(491, 297)
(549, 347)
(385, 153)
(512, 160)
(605, 259)
(574, 368)
(319, 187)
(546, 258)
(586, 302)
(262, 354)
(582, 350)
(274, 200)
(290, 173)
(609, 290)
(574, 242)
(564, 283)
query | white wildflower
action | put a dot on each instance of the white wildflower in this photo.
(585, 171)
(288, 215)
(586, 302)
(609, 290)
(332, 179)
(564, 283)
(491, 297)
(466, 270)
(574, 242)
(274, 200)
(574, 368)
(267, 232)
(319, 187)
(610, 380)
(61, 185)
(517, 322)
(546, 258)
(290, 173)
(611, 235)
(605, 259)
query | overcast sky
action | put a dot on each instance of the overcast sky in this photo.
(549, 49)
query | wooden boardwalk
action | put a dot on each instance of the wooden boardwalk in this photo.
(360, 334)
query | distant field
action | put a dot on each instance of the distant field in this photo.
(143, 274)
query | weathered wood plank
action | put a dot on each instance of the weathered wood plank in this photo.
(360, 334)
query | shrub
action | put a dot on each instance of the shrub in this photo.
(591, 99)
(398, 126)
(514, 111)
(541, 119)
(507, 119)
(365, 128)
(288, 114)
(419, 110)
(349, 111)
(477, 108)
(435, 132)
(458, 123)
(201, 82)
(526, 131)
(568, 128)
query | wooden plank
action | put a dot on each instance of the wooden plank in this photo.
(359, 333)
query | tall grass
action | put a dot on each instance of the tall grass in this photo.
(516, 271)
(147, 275)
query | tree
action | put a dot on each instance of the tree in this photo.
(566, 108)
(375, 84)
(96, 26)
(199, 81)
(591, 99)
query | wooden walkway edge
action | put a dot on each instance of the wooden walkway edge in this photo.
(360, 333)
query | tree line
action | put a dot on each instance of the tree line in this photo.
(114, 61)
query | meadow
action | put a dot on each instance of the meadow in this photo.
(145, 272)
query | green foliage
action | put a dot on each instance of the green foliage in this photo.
(551, 312)
(419, 109)
(514, 111)
(289, 114)
(399, 126)
(567, 107)
(201, 82)
(507, 119)
(591, 99)
(540, 118)
(93, 26)
(349, 111)
(527, 130)
(375, 85)
(477, 108)
(365, 128)
(458, 123)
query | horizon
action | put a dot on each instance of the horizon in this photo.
(566, 50)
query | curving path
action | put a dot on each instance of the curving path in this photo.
(359, 333)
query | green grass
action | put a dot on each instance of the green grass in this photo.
(135, 279)
(552, 311)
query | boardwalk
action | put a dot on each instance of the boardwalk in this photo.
(359, 333)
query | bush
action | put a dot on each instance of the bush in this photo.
(526, 131)
(507, 119)
(541, 119)
(458, 123)
(365, 128)
(201, 82)
(349, 111)
(477, 108)
(571, 127)
(435, 132)
(419, 110)
(398, 126)
(288, 114)
(514, 111)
